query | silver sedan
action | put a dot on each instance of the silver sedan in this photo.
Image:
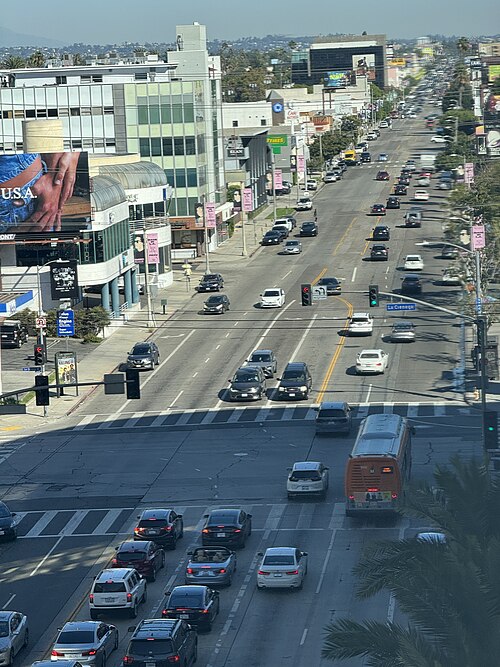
(292, 248)
(403, 332)
(211, 566)
(89, 642)
(14, 635)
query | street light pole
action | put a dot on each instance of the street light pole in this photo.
(205, 233)
(147, 286)
(244, 252)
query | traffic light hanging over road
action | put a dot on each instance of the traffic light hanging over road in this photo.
(373, 296)
(306, 295)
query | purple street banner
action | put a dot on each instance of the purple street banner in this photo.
(247, 200)
(469, 173)
(210, 218)
(478, 240)
(153, 249)
(278, 179)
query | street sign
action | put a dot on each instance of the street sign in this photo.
(41, 322)
(401, 306)
(319, 292)
(66, 323)
(35, 369)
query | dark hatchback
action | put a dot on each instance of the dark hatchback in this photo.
(211, 282)
(163, 526)
(309, 229)
(143, 356)
(381, 233)
(400, 189)
(379, 252)
(333, 286)
(227, 527)
(248, 384)
(411, 284)
(198, 605)
(217, 304)
(272, 238)
(145, 557)
(393, 202)
(8, 523)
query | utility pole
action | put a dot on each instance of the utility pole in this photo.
(273, 173)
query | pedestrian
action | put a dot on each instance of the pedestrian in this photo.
(316, 215)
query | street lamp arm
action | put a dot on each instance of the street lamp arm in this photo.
(431, 305)
(429, 244)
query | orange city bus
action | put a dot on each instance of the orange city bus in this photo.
(379, 465)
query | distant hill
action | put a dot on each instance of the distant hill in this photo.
(10, 38)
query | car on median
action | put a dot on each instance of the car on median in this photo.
(211, 566)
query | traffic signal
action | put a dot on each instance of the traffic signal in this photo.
(42, 395)
(306, 294)
(40, 354)
(490, 429)
(373, 295)
(133, 384)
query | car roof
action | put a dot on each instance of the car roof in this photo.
(262, 352)
(280, 551)
(5, 615)
(332, 405)
(306, 465)
(79, 625)
(155, 626)
(371, 350)
(139, 545)
(295, 365)
(411, 276)
(114, 574)
(194, 589)
(229, 511)
(329, 279)
(403, 323)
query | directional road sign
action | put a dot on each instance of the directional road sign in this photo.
(319, 292)
(41, 322)
(35, 369)
(401, 306)
(66, 323)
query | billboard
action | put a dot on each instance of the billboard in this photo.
(64, 279)
(337, 79)
(492, 124)
(44, 193)
(364, 65)
(397, 62)
(493, 72)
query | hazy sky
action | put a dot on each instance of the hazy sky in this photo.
(116, 21)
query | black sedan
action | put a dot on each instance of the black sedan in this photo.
(377, 209)
(227, 527)
(382, 176)
(379, 252)
(272, 238)
(400, 189)
(411, 284)
(309, 229)
(404, 180)
(333, 286)
(8, 523)
(217, 304)
(393, 202)
(198, 605)
(211, 282)
(381, 233)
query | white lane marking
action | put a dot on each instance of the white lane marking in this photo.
(286, 274)
(245, 313)
(304, 635)
(295, 352)
(235, 324)
(227, 335)
(177, 397)
(276, 318)
(83, 422)
(353, 277)
(42, 523)
(326, 559)
(207, 359)
(9, 601)
(47, 555)
(387, 270)
(367, 399)
(217, 347)
(143, 384)
(273, 520)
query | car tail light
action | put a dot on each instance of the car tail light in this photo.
(92, 651)
(237, 530)
(222, 570)
(129, 597)
(128, 659)
(190, 570)
(351, 497)
(378, 364)
(164, 612)
(91, 597)
(114, 561)
(263, 572)
(57, 654)
(204, 611)
(394, 496)
(139, 530)
(205, 530)
(166, 529)
(174, 658)
(292, 572)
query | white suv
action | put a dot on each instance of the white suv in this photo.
(117, 588)
(307, 478)
(360, 324)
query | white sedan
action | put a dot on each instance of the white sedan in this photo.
(371, 361)
(360, 324)
(438, 139)
(282, 567)
(273, 297)
(413, 263)
(421, 195)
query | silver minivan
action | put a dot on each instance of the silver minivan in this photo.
(333, 417)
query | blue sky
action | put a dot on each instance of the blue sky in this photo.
(116, 21)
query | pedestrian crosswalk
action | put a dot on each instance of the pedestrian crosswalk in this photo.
(189, 419)
(8, 447)
(74, 522)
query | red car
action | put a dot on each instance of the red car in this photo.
(377, 209)
(382, 176)
(146, 557)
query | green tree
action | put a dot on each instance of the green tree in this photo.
(449, 592)
(13, 62)
(463, 46)
(36, 59)
(78, 59)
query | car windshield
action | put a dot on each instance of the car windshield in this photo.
(308, 225)
(76, 637)
(181, 599)
(331, 412)
(271, 233)
(214, 299)
(131, 555)
(360, 319)
(292, 243)
(150, 646)
(260, 357)
(246, 376)
(211, 276)
(4, 629)
(413, 258)
(294, 375)
(271, 292)
(4, 512)
(110, 587)
(222, 520)
(141, 349)
(369, 355)
(328, 281)
(279, 560)
(305, 474)
(153, 523)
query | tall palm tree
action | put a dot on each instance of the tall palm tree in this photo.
(450, 592)
(36, 59)
(13, 62)
(463, 46)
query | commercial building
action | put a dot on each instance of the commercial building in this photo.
(337, 61)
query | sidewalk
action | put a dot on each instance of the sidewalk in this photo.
(111, 353)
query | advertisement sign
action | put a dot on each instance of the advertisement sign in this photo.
(398, 62)
(66, 323)
(237, 200)
(138, 248)
(293, 164)
(153, 249)
(247, 200)
(337, 79)
(277, 139)
(292, 114)
(210, 217)
(364, 65)
(493, 72)
(301, 164)
(64, 279)
(478, 239)
(66, 368)
(44, 193)
(198, 215)
(235, 152)
(278, 179)
(469, 173)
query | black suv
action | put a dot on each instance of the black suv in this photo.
(393, 202)
(309, 229)
(379, 252)
(163, 526)
(159, 641)
(211, 282)
(296, 381)
(381, 233)
(143, 355)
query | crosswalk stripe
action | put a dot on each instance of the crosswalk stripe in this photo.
(209, 417)
(107, 521)
(234, 416)
(42, 523)
(388, 408)
(440, 410)
(412, 410)
(74, 522)
(273, 519)
(83, 422)
(363, 409)
(184, 418)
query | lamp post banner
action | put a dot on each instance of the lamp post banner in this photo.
(210, 218)
(478, 240)
(247, 200)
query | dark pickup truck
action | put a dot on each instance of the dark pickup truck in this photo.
(13, 333)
